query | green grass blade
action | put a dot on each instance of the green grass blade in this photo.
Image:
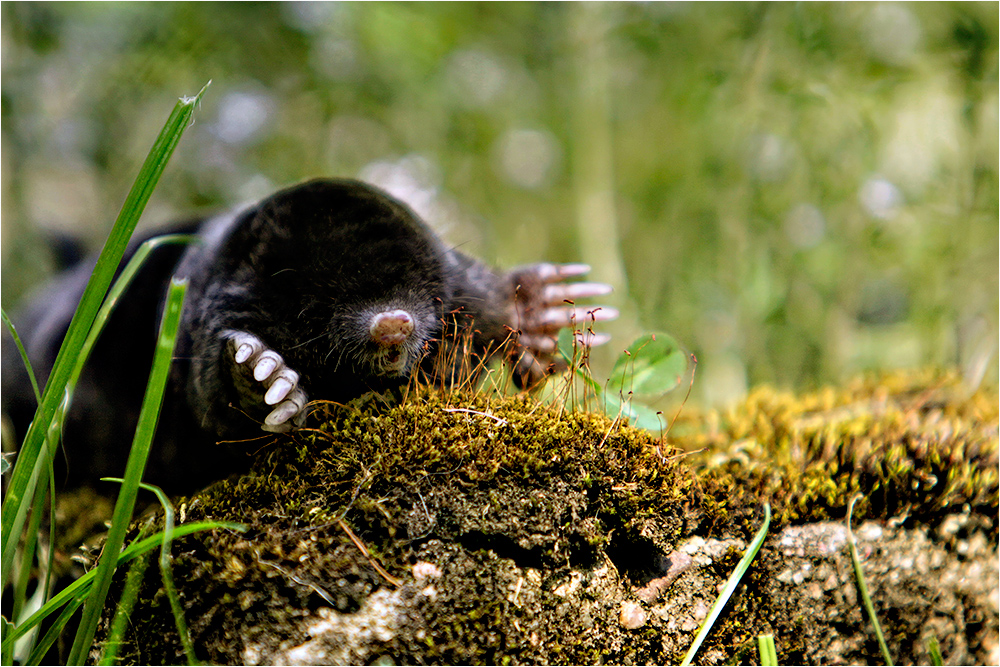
(110, 302)
(25, 574)
(56, 629)
(167, 572)
(27, 467)
(81, 586)
(6, 628)
(731, 584)
(115, 293)
(134, 469)
(768, 652)
(46, 587)
(863, 587)
(24, 354)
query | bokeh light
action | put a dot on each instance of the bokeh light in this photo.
(798, 192)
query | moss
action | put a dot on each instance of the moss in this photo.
(493, 489)
(913, 445)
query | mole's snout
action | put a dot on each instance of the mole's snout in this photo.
(391, 327)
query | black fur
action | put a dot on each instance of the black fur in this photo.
(303, 271)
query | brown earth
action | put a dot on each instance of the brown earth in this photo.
(458, 529)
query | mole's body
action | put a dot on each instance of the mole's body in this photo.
(325, 290)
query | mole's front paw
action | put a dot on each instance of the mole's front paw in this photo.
(545, 304)
(263, 380)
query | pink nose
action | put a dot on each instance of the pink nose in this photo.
(392, 327)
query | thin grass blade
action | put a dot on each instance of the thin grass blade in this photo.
(167, 573)
(730, 587)
(24, 354)
(24, 576)
(863, 587)
(126, 603)
(768, 652)
(935, 651)
(40, 650)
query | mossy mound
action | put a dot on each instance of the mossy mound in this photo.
(457, 528)
(917, 446)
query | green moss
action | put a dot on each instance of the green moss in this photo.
(480, 481)
(912, 444)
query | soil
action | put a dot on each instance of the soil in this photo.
(457, 528)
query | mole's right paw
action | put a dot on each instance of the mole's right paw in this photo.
(263, 380)
(544, 305)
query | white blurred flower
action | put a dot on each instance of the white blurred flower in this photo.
(476, 77)
(880, 198)
(892, 33)
(768, 157)
(526, 158)
(243, 116)
(805, 226)
(309, 16)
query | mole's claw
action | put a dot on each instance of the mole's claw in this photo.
(243, 353)
(570, 271)
(563, 271)
(558, 293)
(282, 413)
(541, 296)
(262, 379)
(244, 345)
(265, 365)
(283, 384)
(553, 273)
(289, 413)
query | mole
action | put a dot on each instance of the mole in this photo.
(325, 290)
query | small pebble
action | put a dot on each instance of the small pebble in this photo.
(632, 615)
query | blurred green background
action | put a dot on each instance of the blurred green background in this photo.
(796, 192)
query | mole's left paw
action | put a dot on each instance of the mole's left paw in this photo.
(545, 304)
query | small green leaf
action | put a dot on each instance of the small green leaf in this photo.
(564, 344)
(935, 651)
(651, 366)
(638, 415)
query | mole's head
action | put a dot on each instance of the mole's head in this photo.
(360, 279)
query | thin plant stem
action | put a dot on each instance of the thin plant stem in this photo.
(863, 587)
